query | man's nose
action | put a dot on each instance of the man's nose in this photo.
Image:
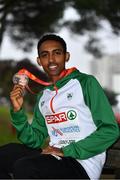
(51, 57)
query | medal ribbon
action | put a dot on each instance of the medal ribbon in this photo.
(33, 77)
(39, 81)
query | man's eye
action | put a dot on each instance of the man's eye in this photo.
(43, 55)
(58, 52)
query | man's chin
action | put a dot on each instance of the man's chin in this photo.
(53, 73)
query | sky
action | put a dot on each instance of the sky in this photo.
(75, 43)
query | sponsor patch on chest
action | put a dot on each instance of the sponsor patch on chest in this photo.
(56, 118)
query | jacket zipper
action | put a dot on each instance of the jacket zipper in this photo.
(51, 101)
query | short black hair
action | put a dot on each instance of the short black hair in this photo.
(52, 37)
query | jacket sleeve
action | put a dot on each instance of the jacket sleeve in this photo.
(107, 130)
(33, 135)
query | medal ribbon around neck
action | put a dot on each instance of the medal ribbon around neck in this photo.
(39, 81)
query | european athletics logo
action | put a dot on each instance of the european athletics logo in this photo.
(61, 131)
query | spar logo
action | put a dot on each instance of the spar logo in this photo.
(56, 118)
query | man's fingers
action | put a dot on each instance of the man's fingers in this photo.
(17, 93)
(18, 86)
(18, 90)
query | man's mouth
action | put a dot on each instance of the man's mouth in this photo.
(52, 67)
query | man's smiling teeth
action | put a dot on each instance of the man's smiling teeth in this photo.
(52, 66)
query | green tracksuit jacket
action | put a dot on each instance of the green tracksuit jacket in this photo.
(77, 117)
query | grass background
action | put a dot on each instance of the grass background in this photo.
(7, 132)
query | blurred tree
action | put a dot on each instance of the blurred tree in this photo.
(92, 13)
(26, 21)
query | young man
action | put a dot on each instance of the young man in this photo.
(73, 112)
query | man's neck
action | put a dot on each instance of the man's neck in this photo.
(64, 73)
(55, 79)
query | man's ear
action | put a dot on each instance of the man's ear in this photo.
(38, 61)
(67, 56)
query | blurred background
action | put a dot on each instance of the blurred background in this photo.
(91, 29)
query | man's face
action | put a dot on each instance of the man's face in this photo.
(52, 58)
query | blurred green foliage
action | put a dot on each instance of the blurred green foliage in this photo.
(7, 132)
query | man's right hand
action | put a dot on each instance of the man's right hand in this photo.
(16, 97)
